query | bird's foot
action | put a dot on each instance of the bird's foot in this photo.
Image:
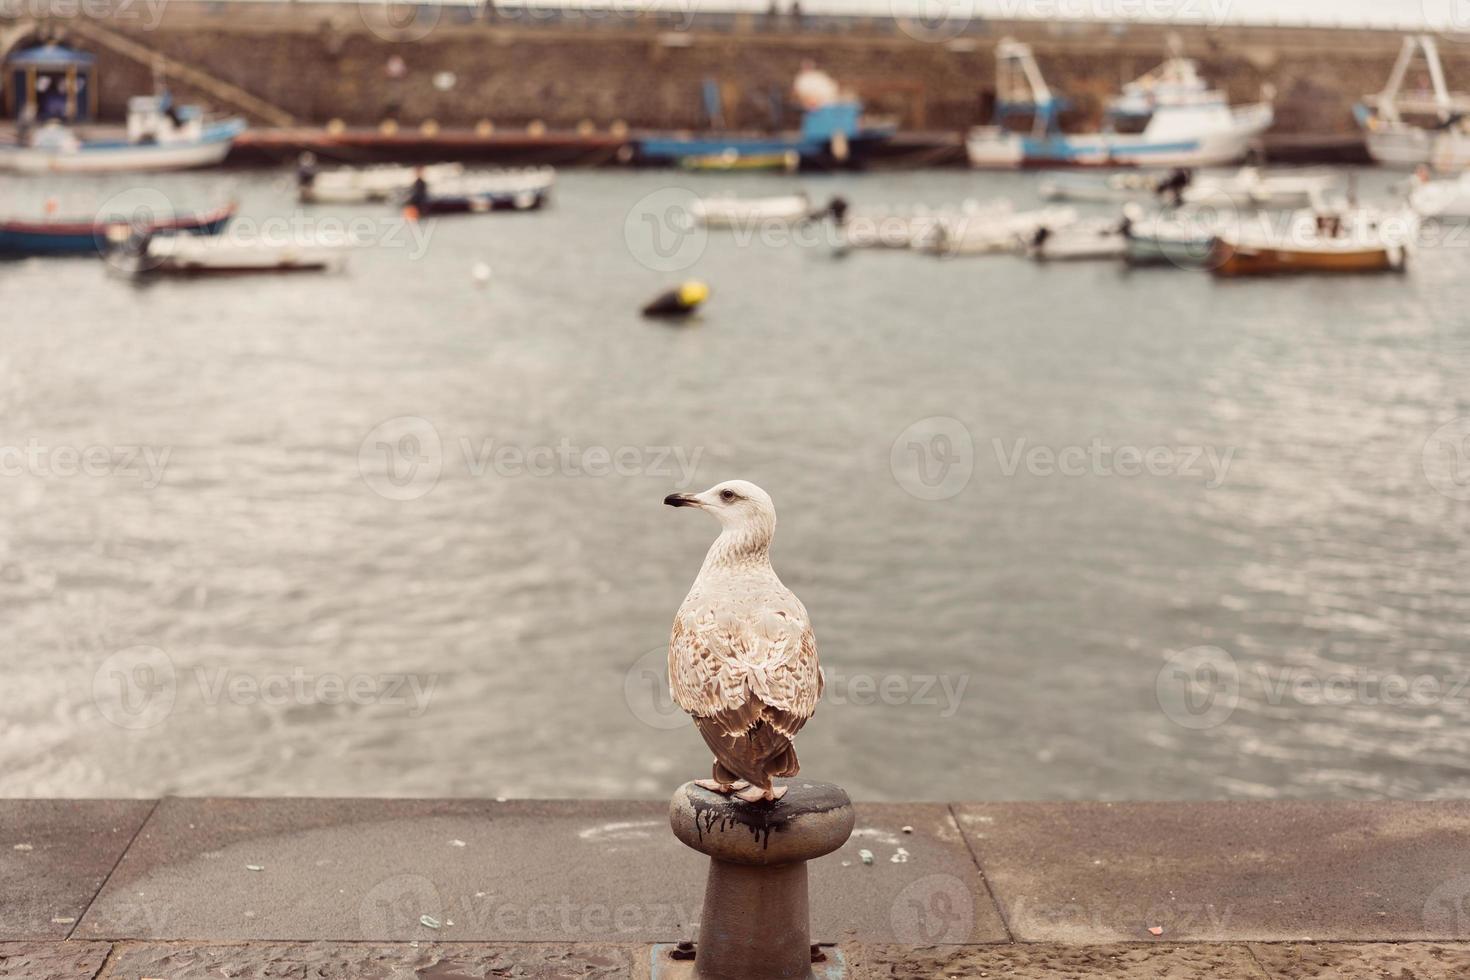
(724, 789)
(754, 794)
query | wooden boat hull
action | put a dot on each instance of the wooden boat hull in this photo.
(1228, 259)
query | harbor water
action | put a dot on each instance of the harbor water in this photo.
(1065, 531)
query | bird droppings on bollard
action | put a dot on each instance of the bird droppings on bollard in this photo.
(866, 856)
(429, 921)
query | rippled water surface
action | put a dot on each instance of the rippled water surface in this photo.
(327, 604)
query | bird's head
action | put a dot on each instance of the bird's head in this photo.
(738, 504)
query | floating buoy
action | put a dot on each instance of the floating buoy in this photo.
(678, 302)
(410, 213)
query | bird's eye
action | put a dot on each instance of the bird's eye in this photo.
(727, 495)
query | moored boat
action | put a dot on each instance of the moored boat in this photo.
(1169, 117)
(1434, 132)
(1184, 239)
(160, 136)
(995, 234)
(1446, 200)
(362, 185)
(734, 160)
(832, 136)
(1334, 239)
(480, 194)
(144, 256)
(1088, 238)
(21, 237)
(737, 212)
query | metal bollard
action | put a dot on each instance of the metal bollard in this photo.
(756, 920)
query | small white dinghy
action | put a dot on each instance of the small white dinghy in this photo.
(1251, 185)
(190, 255)
(997, 234)
(747, 212)
(1447, 200)
(1090, 238)
(362, 185)
(919, 228)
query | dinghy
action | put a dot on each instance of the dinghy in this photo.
(145, 256)
(1447, 200)
(915, 228)
(1333, 239)
(1249, 186)
(94, 235)
(483, 193)
(1184, 238)
(364, 185)
(1090, 238)
(736, 212)
(998, 233)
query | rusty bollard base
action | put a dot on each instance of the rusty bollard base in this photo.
(663, 966)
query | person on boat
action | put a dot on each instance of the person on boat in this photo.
(306, 170)
(837, 208)
(813, 87)
(1172, 187)
(1038, 240)
(418, 195)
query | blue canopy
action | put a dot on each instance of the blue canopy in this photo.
(50, 56)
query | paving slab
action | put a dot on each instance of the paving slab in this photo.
(471, 870)
(54, 855)
(1364, 961)
(52, 960)
(1289, 871)
(361, 961)
(1202, 961)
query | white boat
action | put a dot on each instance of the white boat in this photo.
(914, 228)
(359, 185)
(190, 255)
(1169, 117)
(1435, 134)
(1183, 238)
(1443, 199)
(159, 137)
(997, 234)
(748, 212)
(1089, 238)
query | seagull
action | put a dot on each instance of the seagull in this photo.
(742, 657)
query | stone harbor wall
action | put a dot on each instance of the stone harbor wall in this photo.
(339, 61)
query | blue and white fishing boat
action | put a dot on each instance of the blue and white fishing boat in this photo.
(832, 135)
(1167, 118)
(160, 136)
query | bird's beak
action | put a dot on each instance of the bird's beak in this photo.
(681, 500)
